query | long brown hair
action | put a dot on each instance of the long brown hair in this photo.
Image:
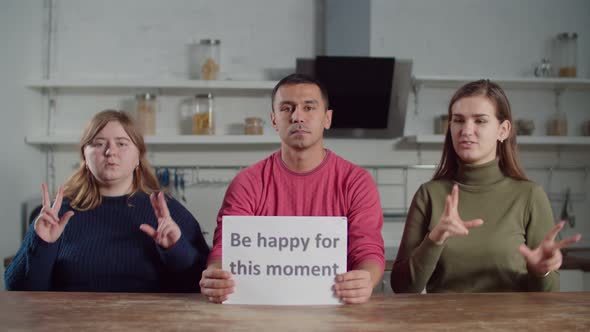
(82, 188)
(506, 151)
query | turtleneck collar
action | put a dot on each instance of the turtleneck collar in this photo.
(480, 175)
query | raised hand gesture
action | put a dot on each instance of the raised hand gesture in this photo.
(48, 225)
(450, 223)
(547, 256)
(168, 231)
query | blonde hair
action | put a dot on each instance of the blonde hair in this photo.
(82, 188)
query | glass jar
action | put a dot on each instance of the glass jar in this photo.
(567, 53)
(207, 55)
(253, 126)
(203, 116)
(441, 124)
(145, 113)
(558, 125)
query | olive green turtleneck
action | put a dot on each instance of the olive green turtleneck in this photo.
(486, 260)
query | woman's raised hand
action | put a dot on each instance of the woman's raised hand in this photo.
(48, 225)
(450, 223)
(547, 256)
(168, 231)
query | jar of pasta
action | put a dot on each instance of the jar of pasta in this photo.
(207, 55)
(145, 113)
(203, 116)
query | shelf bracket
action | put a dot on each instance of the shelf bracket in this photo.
(416, 87)
(419, 153)
(50, 168)
(557, 94)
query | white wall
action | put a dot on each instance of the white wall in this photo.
(260, 40)
(478, 37)
(21, 165)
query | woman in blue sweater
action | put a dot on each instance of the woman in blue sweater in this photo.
(109, 230)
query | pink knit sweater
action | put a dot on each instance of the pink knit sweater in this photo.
(335, 188)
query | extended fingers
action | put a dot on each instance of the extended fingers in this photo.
(66, 217)
(58, 199)
(448, 206)
(455, 198)
(163, 205)
(553, 233)
(46, 199)
(47, 217)
(473, 223)
(149, 230)
(525, 251)
(154, 202)
(569, 241)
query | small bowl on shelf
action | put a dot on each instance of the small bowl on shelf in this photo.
(524, 127)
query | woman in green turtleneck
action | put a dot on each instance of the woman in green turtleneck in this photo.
(479, 225)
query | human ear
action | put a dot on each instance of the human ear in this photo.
(328, 118)
(504, 131)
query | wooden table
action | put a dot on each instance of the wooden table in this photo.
(29, 311)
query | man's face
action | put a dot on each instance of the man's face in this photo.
(300, 116)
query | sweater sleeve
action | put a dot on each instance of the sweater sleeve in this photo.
(539, 223)
(240, 200)
(185, 260)
(32, 266)
(417, 255)
(365, 221)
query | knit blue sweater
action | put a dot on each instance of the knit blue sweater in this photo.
(103, 250)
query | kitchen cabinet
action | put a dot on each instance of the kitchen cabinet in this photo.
(446, 85)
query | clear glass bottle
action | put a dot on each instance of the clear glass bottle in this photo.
(567, 53)
(145, 113)
(208, 57)
(203, 115)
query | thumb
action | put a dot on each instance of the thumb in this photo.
(525, 251)
(66, 218)
(149, 230)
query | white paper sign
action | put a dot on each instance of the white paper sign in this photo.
(284, 260)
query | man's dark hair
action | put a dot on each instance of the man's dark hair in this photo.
(300, 79)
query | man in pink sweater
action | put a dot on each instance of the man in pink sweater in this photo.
(305, 179)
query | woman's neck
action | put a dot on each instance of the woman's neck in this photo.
(115, 189)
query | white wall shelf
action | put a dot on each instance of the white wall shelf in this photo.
(505, 82)
(153, 84)
(168, 140)
(522, 140)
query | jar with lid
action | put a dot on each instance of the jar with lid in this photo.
(253, 126)
(145, 112)
(567, 52)
(203, 115)
(206, 56)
